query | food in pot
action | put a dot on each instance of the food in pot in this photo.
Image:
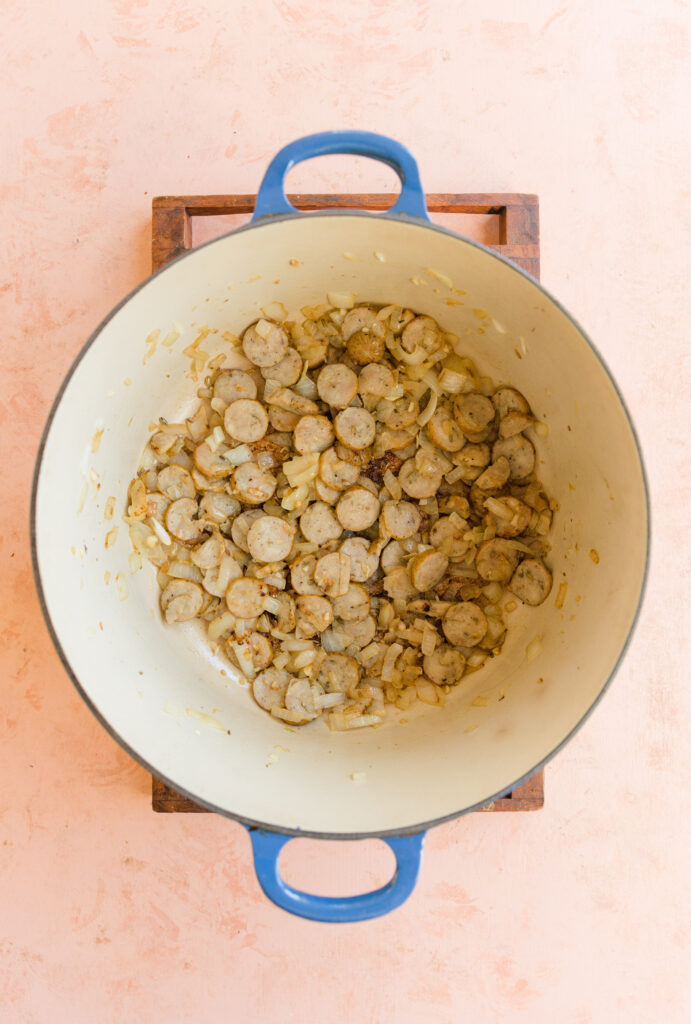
(349, 515)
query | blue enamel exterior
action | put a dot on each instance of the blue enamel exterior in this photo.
(267, 847)
(272, 200)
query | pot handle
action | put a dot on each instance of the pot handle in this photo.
(267, 846)
(272, 200)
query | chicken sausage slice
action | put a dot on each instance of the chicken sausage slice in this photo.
(264, 343)
(401, 519)
(363, 563)
(246, 420)
(313, 434)
(355, 428)
(233, 384)
(319, 523)
(337, 385)
(531, 582)
(269, 539)
(464, 624)
(357, 509)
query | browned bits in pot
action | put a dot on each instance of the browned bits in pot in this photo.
(353, 514)
(376, 468)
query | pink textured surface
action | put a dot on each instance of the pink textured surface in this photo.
(578, 913)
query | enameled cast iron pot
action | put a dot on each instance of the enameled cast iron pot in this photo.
(151, 685)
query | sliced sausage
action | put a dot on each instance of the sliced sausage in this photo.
(156, 505)
(472, 459)
(363, 564)
(181, 600)
(360, 631)
(219, 507)
(313, 434)
(313, 614)
(357, 509)
(257, 646)
(496, 560)
(427, 569)
(364, 348)
(464, 624)
(319, 524)
(332, 573)
(233, 384)
(401, 519)
(252, 484)
(175, 482)
(325, 493)
(182, 522)
(514, 423)
(509, 517)
(422, 332)
(444, 666)
(338, 673)
(392, 556)
(209, 554)
(399, 414)
(245, 597)
(448, 536)
(283, 420)
(269, 688)
(389, 442)
(353, 605)
(445, 432)
(302, 575)
(495, 476)
(241, 525)
(246, 420)
(506, 400)
(337, 385)
(217, 580)
(531, 582)
(473, 412)
(358, 319)
(399, 586)
(336, 472)
(415, 484)
(355, 428)
(375, 379)
(211, 464)
(520, 453)
(287, 371)
(269, 539)
(205, 483)
(264, 343)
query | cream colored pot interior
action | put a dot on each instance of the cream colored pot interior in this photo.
(186, 713)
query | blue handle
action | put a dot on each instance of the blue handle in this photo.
(271, 198)
(267, 847)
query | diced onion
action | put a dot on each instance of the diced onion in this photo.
(533, 649)
(263, 328)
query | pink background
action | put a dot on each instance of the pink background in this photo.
(578, 913)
